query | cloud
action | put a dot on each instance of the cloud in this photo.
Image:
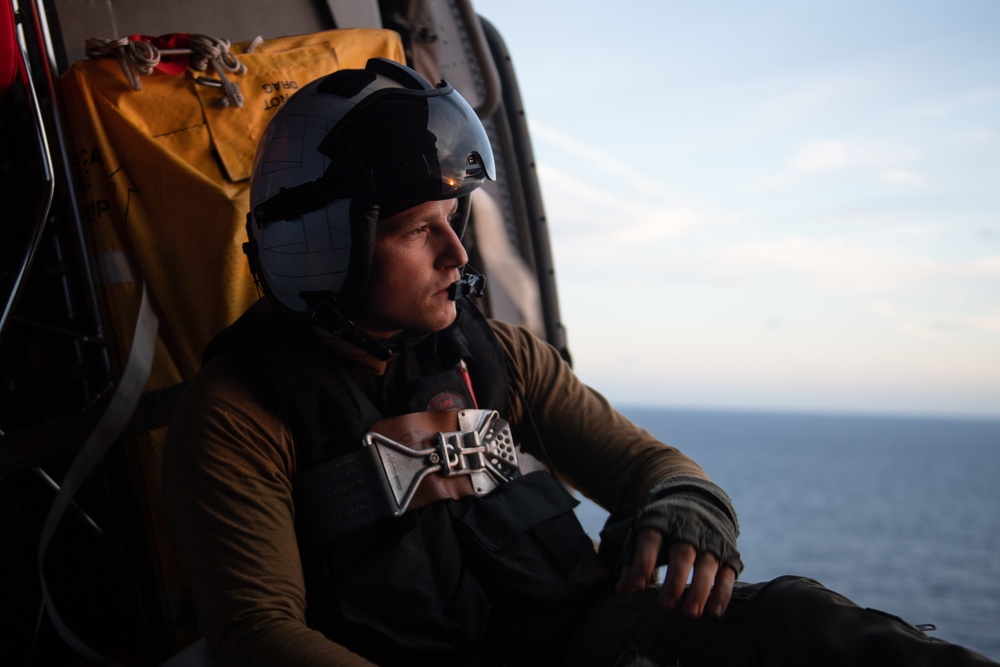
(811, 101)
(629, 174)
(833, 154)
(619, 215)
(976, 136)
(838, 265)
(950, 105)
(934, 324)
(627, 206)
(822, 155)
(622, 203)
(985, 266)
(865, 159)
(902, 177)
(770, 182)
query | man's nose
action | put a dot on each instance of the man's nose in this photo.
(452, 253)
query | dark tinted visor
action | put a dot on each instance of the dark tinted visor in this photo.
(411, 145)
(396, 145)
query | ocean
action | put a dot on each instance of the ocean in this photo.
(901, 514)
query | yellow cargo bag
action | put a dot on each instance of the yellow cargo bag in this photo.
(165, 181)
(164, 162)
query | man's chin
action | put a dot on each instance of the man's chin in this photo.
(445, 321)
(425, 327)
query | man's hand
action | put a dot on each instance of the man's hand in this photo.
(711, 586)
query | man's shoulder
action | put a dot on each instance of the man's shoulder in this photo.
(508, 329)
(516, 336)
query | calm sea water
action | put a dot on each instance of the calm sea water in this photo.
(897, 513)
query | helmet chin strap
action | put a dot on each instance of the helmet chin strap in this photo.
(343, 328)
(323, 312)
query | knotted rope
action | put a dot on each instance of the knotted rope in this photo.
(139, 58)
(135, 58)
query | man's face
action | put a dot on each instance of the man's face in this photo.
(417, 257)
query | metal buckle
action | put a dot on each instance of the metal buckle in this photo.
(482, 448)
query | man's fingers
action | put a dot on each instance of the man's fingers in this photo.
(705, 569)
(637, 576)
(711, 586)
(722, 593)
(680, 560)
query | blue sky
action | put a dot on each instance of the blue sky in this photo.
(771, 205)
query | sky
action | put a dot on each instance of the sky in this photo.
(771, 205)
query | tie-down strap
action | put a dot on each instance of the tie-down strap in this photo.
(406, 462)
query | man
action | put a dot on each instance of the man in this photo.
(341, 478)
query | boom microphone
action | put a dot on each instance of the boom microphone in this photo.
(472, 283)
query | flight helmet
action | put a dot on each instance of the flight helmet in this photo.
(343, 151)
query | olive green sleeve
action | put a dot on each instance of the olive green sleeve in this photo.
(228, 500)
(593, 447)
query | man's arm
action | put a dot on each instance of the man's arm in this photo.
(227, 491)
(617, 464)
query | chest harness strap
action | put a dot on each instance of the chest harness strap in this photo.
(405, 463)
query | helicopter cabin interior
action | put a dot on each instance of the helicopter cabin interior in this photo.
(126, 134)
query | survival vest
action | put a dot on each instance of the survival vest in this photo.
(449, 577)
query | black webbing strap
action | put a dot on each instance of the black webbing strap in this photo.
(340, 496)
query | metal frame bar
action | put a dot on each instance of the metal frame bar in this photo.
(49, 193)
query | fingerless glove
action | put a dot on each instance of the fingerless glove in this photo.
(693, 510)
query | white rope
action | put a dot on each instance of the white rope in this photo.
(136, 58)
(139, 58)
(215, 52)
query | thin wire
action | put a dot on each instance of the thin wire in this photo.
(534, 427)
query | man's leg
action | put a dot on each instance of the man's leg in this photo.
(788, 621)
